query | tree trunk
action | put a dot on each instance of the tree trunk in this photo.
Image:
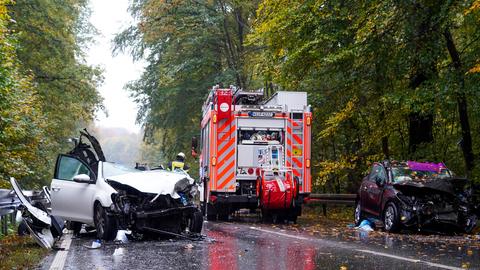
(466, 143)
(420, 130)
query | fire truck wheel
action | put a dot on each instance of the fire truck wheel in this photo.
(211, 217)
(211, 213)
(223, 217)
(275, 219)
(294, 219)
(266, 217)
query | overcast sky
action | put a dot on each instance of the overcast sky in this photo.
(109, 17)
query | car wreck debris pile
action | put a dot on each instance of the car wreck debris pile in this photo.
(87, 189)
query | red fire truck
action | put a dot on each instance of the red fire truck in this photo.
(255, 153)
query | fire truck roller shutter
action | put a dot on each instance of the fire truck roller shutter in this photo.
(225, 177)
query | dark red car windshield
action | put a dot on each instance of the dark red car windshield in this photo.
(401, 174)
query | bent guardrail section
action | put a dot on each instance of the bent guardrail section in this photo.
(9, 204)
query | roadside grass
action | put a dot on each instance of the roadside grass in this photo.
(19, 252)
(337, 216)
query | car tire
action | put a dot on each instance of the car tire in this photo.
(471, 224)
(391, 218)
(104, 224)
(22, 229)
(196, 222)
(358, 214)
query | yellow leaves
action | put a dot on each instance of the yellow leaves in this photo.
(334, 121)
(334, 167)
(474, 7)
(475, 69)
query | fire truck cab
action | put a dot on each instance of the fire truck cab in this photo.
(255, 153)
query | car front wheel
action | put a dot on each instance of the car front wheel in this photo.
(196, 222)
(391, 218)
(104, 224)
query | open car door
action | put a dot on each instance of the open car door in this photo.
(71, 198)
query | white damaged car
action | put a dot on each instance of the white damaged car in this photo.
(87, 189)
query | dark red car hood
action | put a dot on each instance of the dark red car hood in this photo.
(449, 186)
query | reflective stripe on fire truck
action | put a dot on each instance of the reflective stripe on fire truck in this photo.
(225, 179)
(213, 152)
(307, 152)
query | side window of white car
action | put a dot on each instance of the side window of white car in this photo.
(68, 167)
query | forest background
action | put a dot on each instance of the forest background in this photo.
(386, 79)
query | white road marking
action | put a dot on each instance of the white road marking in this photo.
(61, 256)
(409, 260)
(443, 266)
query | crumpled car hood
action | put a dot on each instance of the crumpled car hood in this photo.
(157, 181)
(447, 185)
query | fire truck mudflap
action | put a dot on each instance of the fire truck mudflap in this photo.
(255, 153)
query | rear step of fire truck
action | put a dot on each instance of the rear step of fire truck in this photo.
(254, 153)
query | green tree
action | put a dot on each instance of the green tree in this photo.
(50, 47)
(21, 115)
(381, 76)
(189, 46)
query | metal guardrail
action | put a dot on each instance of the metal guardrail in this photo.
(332, 199)
(9, 204)
(8, 209)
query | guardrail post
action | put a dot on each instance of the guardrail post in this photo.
(13, 218)
(4, 225)
(324, 208)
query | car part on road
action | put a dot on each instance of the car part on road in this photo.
(44, 228)
(121, 237)
(192, 237)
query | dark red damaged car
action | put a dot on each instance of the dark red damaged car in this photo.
(419, 195)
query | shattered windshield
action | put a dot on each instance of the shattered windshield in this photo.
(407, 174)
(112, 169)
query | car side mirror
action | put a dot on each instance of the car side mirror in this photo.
(82, 178)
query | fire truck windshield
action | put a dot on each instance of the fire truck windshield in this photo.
(260, 137)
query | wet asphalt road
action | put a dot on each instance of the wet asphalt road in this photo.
(242, 245)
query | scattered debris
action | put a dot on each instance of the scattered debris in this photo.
(365, 225)
(188, 246)
(95, 244)
(45, 228)
(119, 251)
(121, 237)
